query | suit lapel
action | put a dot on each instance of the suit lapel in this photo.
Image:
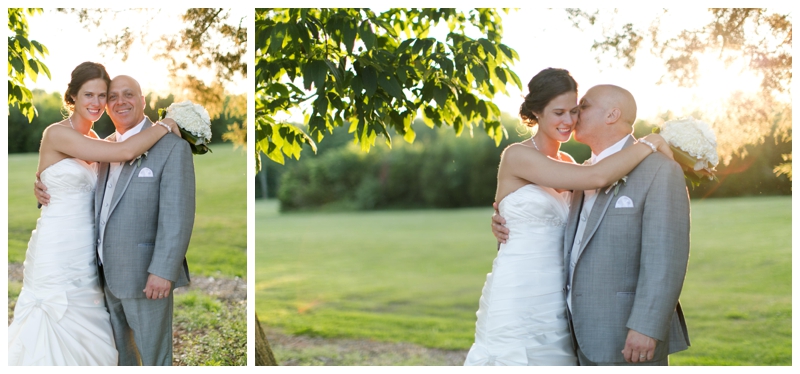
(599, 209)
(125, 176)
(572, 223)
(102, 180)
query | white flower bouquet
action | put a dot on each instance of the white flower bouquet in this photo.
(694, 146)
(194, 123)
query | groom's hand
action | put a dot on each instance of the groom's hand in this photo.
(639, 347)
(500, 232)
(157, 287)
(39, 190)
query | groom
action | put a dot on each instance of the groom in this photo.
(626, 250)
(144, 213)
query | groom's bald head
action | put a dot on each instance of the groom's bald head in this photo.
(125, 103)
(607, 114)
(620, 98)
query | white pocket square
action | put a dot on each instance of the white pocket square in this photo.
(624, 202)
(147, 173)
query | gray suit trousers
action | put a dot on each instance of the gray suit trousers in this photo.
(142, 329)
(583, 361)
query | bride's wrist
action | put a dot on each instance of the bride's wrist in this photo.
(649, 144)
(168, 127)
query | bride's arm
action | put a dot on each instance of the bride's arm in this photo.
(71, 143)
(534, 167)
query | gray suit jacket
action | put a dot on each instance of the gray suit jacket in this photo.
(632, 263)
(151, 218)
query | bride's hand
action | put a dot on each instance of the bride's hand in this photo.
(661, 144)
(173, 125)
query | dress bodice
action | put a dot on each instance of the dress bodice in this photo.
(71, 185)
(533, 205)
(70, 174)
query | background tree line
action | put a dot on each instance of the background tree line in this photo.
(25, 137)
(441, 171)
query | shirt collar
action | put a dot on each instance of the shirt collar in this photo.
(131, 132)
(610, 150)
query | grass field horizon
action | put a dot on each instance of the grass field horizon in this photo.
(416, 276)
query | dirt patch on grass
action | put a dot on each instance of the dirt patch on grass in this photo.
(305, 350)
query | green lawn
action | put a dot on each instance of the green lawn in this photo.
(416, 276)
(219, 239)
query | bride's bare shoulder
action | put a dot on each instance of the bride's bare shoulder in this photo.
(516, 149)
(56, 128)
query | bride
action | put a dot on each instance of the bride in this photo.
(522, 315)
(60, 317)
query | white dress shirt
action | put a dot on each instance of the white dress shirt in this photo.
(589, 196)
(114, 169)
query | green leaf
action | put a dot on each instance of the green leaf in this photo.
(403, 46)
(17, 64)
(276, 38)
(349, 35)
(370, 79)
(510, 53)
(479, 72)
(389, 84)
(386, 26)
(39, 47)
(440, 95)
(314, 72)
(367, 35)
(321, 105)
(305, 40)
(488, 47)
(337, 75)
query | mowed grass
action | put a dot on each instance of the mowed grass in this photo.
(219, 238)
(416, 276)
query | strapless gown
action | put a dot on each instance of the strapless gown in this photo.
(60, 317)
(522, 317)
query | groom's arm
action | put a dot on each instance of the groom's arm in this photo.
(664, 255)
(176, 209)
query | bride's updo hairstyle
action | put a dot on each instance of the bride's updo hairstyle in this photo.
(543, 87)
(83, 73)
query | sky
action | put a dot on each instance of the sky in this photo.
(70, 44)
(546, 38)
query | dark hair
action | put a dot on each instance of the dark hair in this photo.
(83, 73)
(543, 87)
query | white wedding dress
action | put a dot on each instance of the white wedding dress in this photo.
(60, 317)
(522, 318)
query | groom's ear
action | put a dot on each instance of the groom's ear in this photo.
(613, 115)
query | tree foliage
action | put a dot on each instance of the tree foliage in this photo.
(760, 38)
(376, 71)
(24, 60)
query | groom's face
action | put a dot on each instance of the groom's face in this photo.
(590, 118)
(125, 103)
